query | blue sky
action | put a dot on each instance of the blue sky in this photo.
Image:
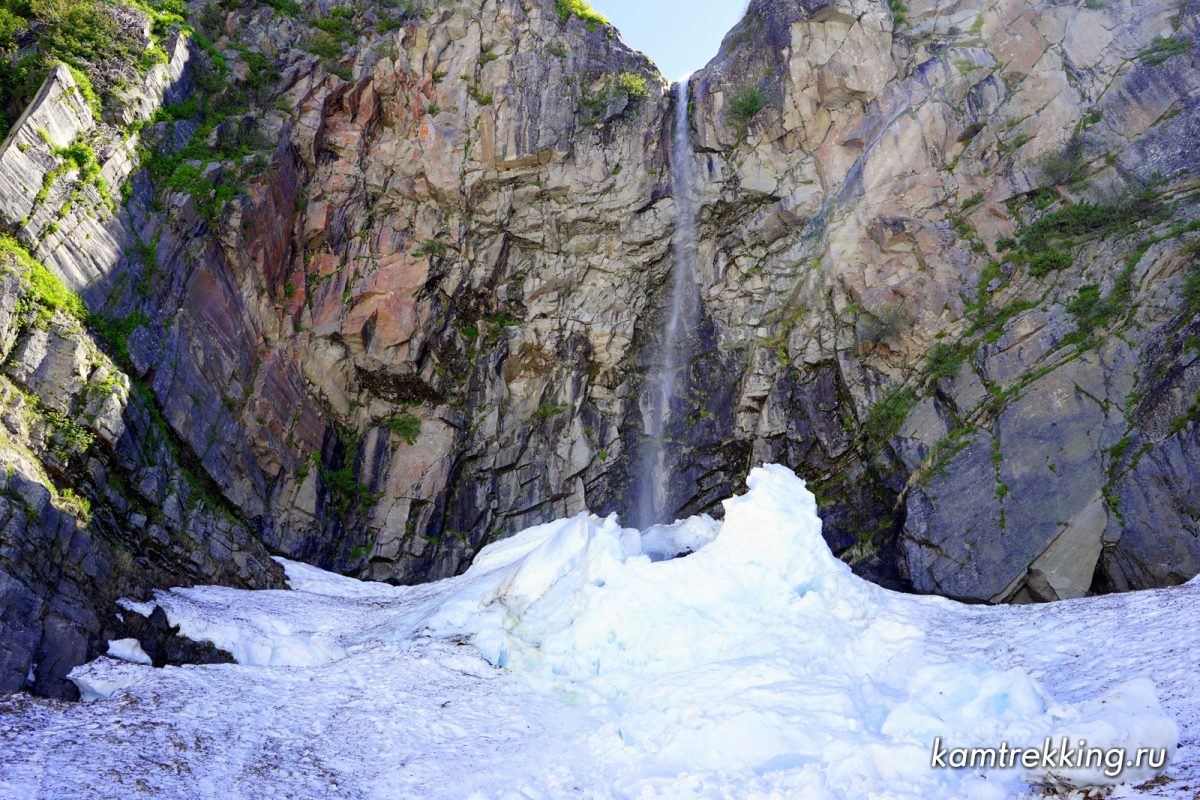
(679, 35)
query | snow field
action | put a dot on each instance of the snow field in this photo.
(579, 659)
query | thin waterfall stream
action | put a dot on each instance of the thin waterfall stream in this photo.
(662, 388)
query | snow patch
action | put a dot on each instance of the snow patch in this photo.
(105, 678)
(254, 637)
(305, 578)
(128, 650)
(141, 609)
(1128, 718)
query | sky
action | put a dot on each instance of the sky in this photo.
(680, 36)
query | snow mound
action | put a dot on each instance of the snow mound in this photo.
(759, 653)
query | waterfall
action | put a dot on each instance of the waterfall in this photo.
(670, 371)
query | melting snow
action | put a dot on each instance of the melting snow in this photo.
(579, 659)
(128, 650)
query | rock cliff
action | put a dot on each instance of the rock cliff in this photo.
(968, 231)
(370, 285)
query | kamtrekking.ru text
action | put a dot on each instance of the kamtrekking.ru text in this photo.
(1052, 755)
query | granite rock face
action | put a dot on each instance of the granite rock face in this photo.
(96, 503)
(401, 300)
(977, 426)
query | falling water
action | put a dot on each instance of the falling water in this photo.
(661, 388)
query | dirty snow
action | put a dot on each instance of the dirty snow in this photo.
(579, 659)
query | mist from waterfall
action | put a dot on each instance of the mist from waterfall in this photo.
(662, 387)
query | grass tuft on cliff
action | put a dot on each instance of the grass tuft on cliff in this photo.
(1191, 289)
(579, 8)
(944, 360)
(46, 289)
(86, 35)
(1161, 50)
(885, 418)
(630, 85)
(1038, 244)
(746, 104)
(744, 107)
(288, 8)
(407, 426)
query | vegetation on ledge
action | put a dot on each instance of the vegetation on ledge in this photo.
(744, 107)
(579, 8)
(46, 288)
(86, 35)
(629, 86)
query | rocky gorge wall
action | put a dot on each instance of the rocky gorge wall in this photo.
(382, 283)
(970, 237)
(101, 499)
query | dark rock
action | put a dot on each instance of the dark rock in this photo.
(162, 642)
(1158, 532)
(63, 646)
(952, 542)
